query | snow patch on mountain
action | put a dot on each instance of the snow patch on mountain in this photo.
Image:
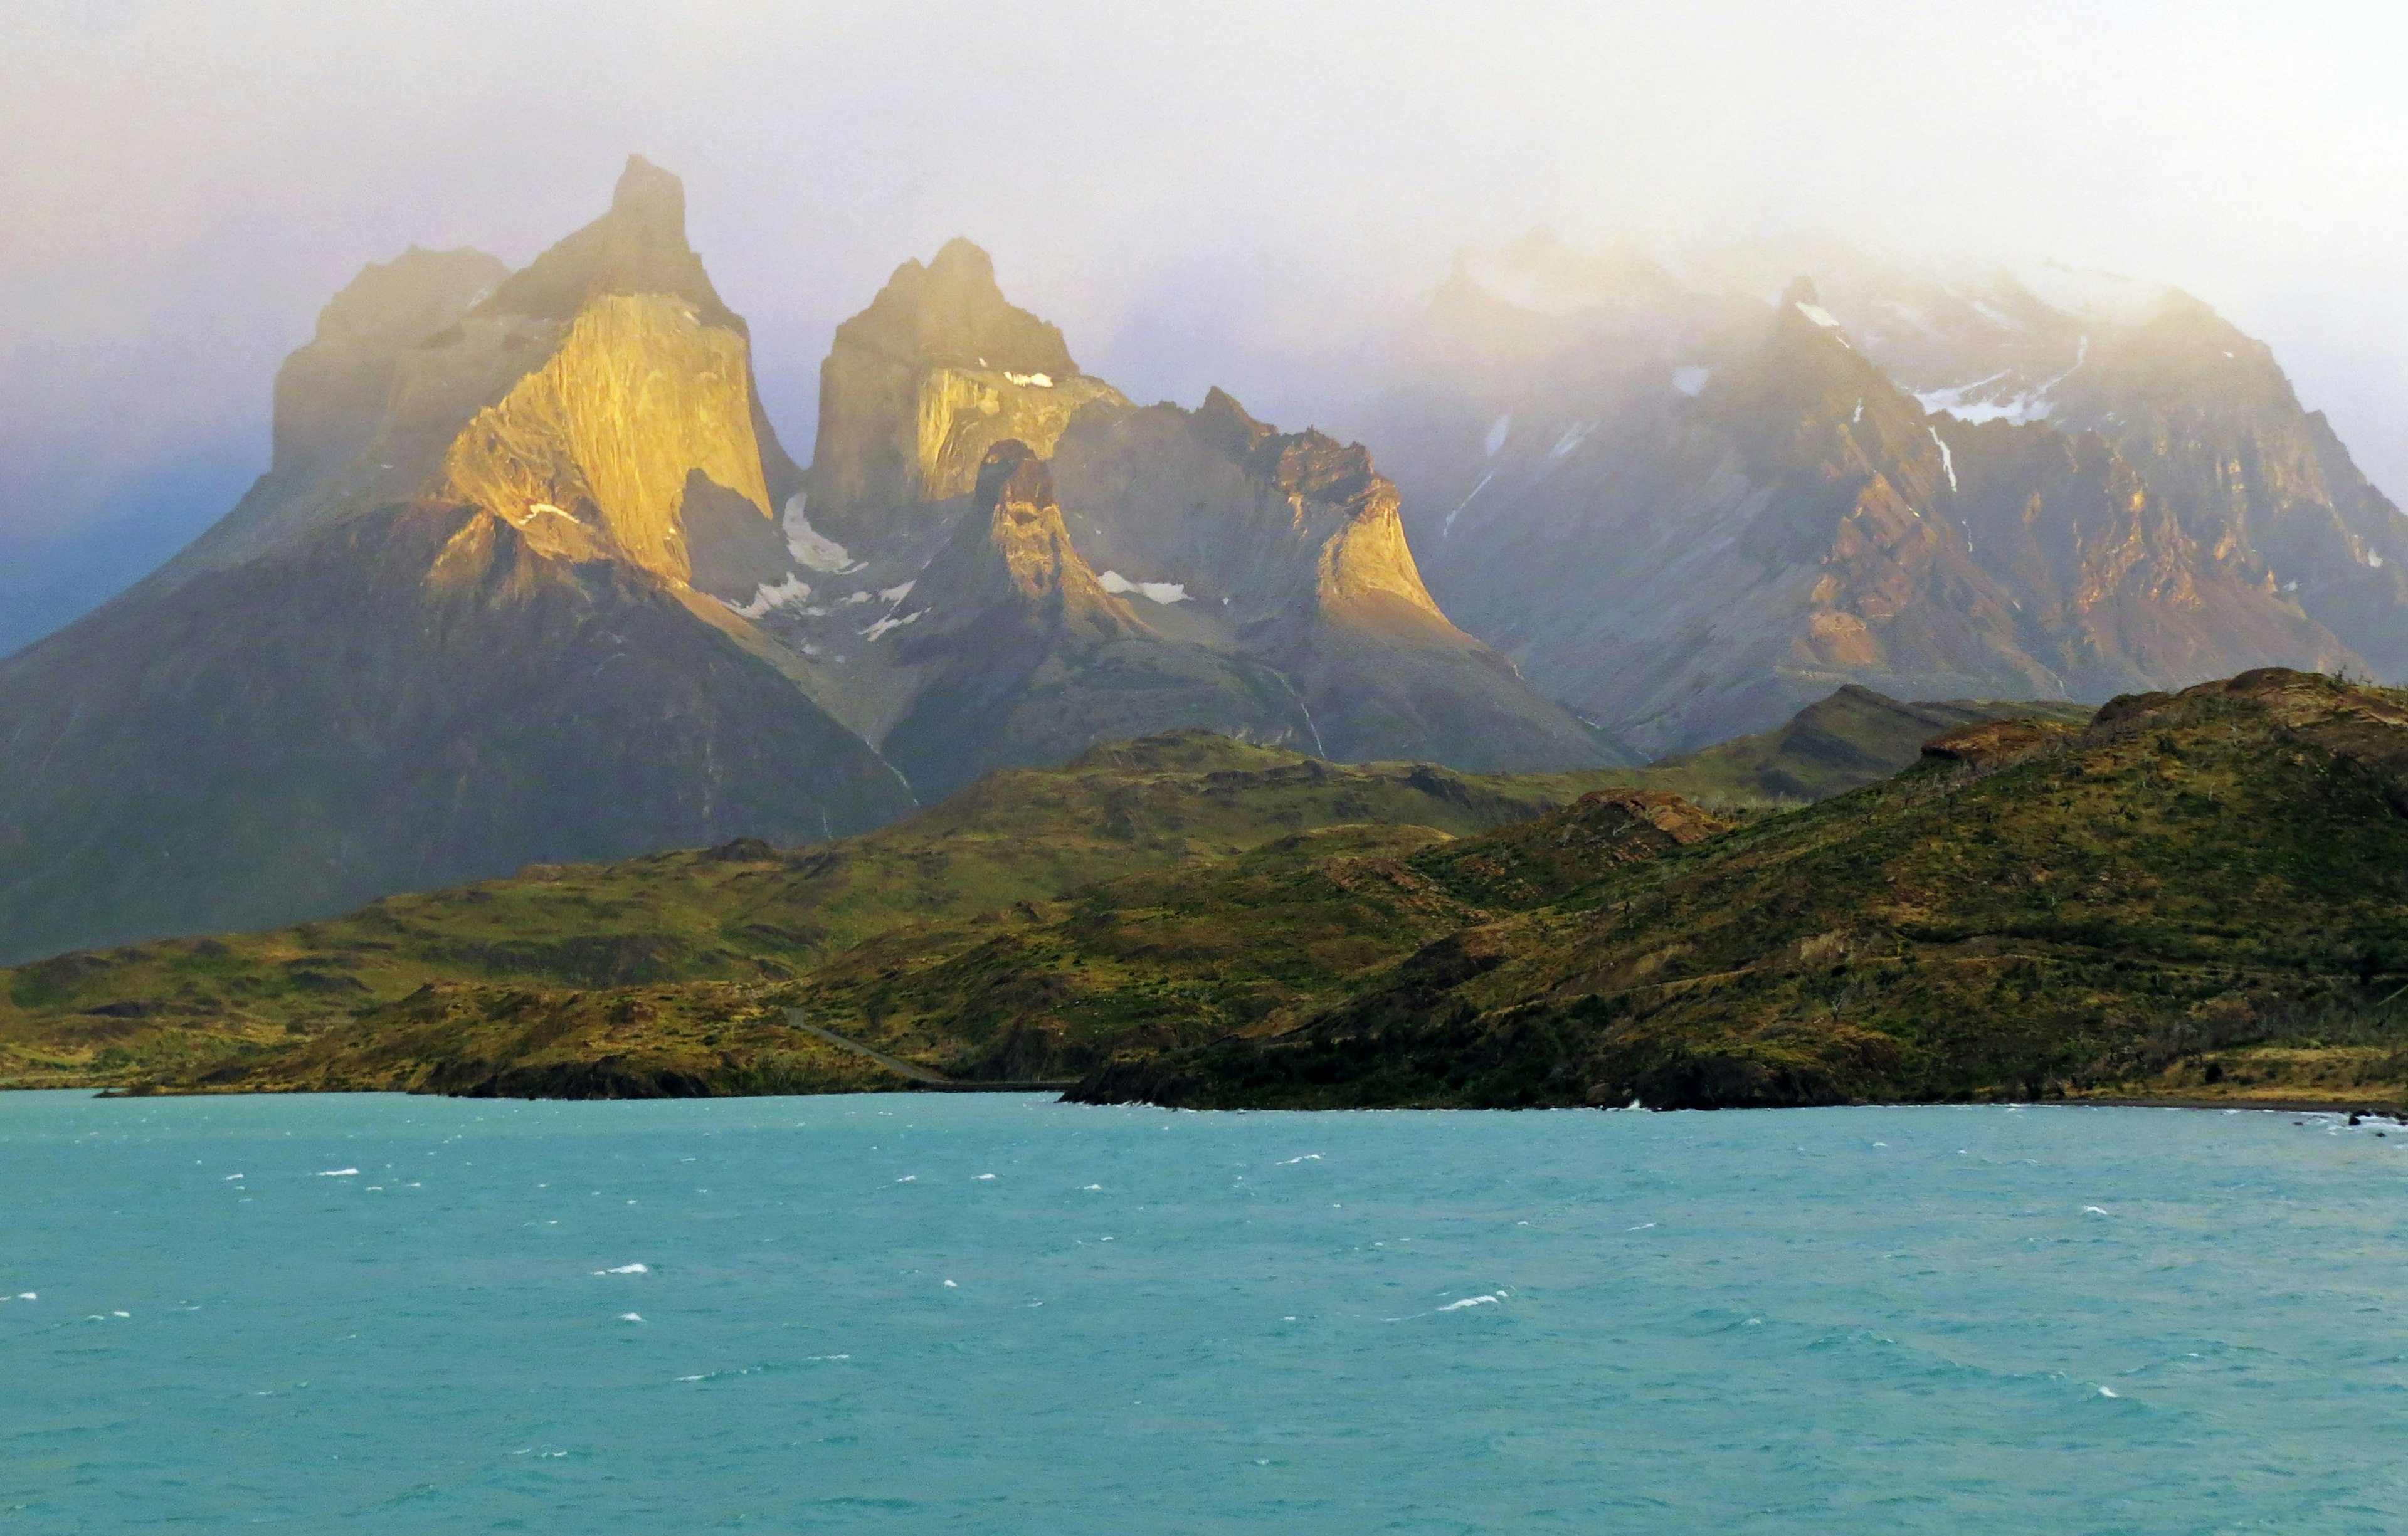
(791, 590)
(2021, 408)
(812, 548)
(1164, 592)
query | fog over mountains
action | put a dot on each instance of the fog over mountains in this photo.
(1689, 503)
(531, 578)
(1229, 197)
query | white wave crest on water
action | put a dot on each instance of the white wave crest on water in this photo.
(630, 1317)
(1094, 1187)
(982, 1178)
(1471, 1302)
(1309, 1157)
(339, 1173)
(626, 1269)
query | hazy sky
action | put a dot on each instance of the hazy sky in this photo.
(1212, 194)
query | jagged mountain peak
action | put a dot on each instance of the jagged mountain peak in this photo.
(331, 394)
(638, 247)
(649, 198)
(1014, 554)
(952, 312)
(937, 370)
(398, 302)
(1226, 426)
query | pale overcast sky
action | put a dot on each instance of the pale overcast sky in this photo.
(1214, 193)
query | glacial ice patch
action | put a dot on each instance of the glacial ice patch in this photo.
(1164, 592)
(793, 590)
(812, 548)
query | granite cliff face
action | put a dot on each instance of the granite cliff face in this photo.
(472, 629)
(1275, 563)
(1018, 650)
(938, 370)
(1289, 547)
(1686, 515)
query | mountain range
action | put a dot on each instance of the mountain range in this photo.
(531, 578)
(532, 581)
(1687, 501)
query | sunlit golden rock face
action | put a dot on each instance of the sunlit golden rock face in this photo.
(919, 386)
(1288, 547)
(492, 620)
(642, 396)
(964, 412)
(1273, 528)
(1032, 550)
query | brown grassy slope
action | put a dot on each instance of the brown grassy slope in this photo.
(2201, 894)
(741, 913)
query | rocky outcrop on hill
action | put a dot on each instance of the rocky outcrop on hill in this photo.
(2200, 895)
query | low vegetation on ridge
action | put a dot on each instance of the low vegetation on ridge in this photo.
(2194, 896)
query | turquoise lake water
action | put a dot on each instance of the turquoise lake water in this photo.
(959, 1314)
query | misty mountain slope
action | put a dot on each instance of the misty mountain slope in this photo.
(332, 395)
(407, 699)
(1687, 524)
(2201, 410)
(1275, 560)
(490, 640)
(1021, 650)
(1290, 547)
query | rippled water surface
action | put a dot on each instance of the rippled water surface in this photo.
(998, 1315)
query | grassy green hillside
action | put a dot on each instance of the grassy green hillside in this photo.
(1835, 745)
(741, 913)
(1147, 897)
(2199, 896)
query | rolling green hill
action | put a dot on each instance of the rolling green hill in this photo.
(1245, 886)
(2202, 895)
(740, 913)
